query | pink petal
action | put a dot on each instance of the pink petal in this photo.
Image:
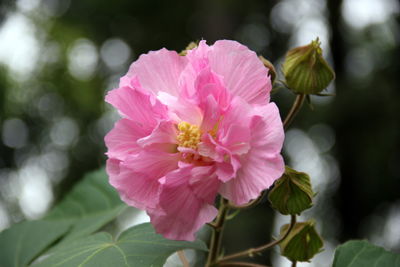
(212, 114)
(243, 73)
(121, 140)
(225, 171)
(211, 96)
(198, 57)
(256, 174)
(237, 139)
(137, 177)
(208, 83)
(112, 167)
(136, 189)
(154, 163)
(137, 106)
(131, 82)
(159, 71)
(263, 164)
(270, 138)
(234, 128)
(239, 114)
(183, 212)
(204, 183)
(164, 133)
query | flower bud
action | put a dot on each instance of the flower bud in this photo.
(292, 193)
(270, 67)
(305, 70)
(188, 47)
(302, 243)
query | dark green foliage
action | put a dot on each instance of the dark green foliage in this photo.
(137, 246)
(358, 253)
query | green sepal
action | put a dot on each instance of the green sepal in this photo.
(305, 69)
(190, 46)
(292, 193)
(302, 243)
(270, 67)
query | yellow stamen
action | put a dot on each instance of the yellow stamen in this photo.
(189, 135)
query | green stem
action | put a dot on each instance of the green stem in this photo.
(298, 102)
(251, 251)
(240, 264)
(216, 238)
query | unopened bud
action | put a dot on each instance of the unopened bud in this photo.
(292, 193)
(305, 70)
(302, 243)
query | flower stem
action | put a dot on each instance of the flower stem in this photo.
(216, 238)
(251, 251)
(298, 102)
(240, 264)
(183, 259)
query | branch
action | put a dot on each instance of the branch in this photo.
(216, 237)
(298, 102)
(240, 264)
(183, 259)
(251, 251)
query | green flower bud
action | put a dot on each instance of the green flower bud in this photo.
(270, 67)
(188, 47)
(292, 193)
(302, 243)
(305, 70)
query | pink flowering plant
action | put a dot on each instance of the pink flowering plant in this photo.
(198, 139)
(194, 127)
(198, 126)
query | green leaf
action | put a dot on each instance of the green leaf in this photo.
(91, 204)
(23, 242)
(358, 253)
(292, 193)
(137, 246)
(302, 243)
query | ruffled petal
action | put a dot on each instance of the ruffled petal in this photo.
(263, 164)
(183, 212)
(159, 71)
(198, 57)
(270, 139)
(180, 109)
(164, 133)
(243, 73)
(121, 140)
(256, 174)
(154, 163)
(137, 178)
(137, 106)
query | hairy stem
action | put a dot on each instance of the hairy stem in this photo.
(298, 102)
(183, 259)
(240, 264)
(216, 238)
(251, 251)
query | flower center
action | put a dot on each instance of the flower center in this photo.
(189, 135)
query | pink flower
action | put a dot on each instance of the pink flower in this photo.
(193, 127)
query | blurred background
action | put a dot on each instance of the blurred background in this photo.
(58, 58)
